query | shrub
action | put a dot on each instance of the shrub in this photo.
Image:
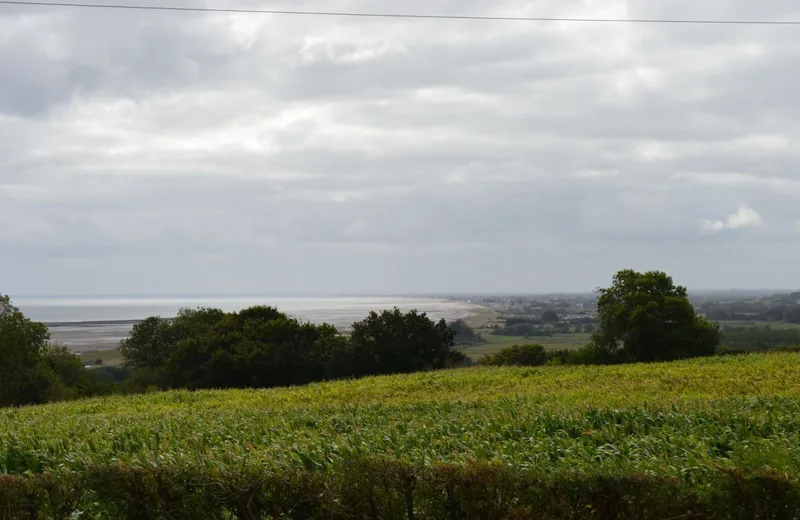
(519, 355)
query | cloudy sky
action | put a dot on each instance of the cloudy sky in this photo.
(175, 153)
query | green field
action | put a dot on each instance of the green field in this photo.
(495, 343)
(712, 436)
(483, 319)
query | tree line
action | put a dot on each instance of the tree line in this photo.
(259, 347)
(642, 317)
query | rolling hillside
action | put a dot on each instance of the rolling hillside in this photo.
(701, 437)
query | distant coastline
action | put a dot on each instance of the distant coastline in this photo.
(94, 324)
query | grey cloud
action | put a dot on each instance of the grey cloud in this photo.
(155, 152)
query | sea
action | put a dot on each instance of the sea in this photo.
(87, 324)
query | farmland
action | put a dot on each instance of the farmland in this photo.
(645, 441)
(495, 343)
(483, 319)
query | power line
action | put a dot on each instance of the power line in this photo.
(398, 15)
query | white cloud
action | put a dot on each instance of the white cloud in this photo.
(745, 217)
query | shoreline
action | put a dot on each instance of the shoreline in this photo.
(97, 335)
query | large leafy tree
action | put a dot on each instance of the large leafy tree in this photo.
(394, 342)
(23, 379)
(646, 317)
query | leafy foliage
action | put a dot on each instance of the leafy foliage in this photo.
(393, 342)
(32, 370)
(23, 379)
(646, 317)
(261, 347)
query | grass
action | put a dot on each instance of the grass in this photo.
(678, 436)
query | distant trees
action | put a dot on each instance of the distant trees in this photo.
(518, 355)
(646, 317)
(517, 320)
(261, 347)
(207, 348)
(550, 316)
(464, 334)
(522, 329)
(751, 339)
(791, 314)
(777, 308)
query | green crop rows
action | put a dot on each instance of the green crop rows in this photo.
(702, 437)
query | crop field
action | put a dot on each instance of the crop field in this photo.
(714, 437)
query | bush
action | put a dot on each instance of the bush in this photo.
(464, 334)
(514, 320)
(519, 355)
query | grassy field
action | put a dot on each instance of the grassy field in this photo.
(709, 436)
(483, 319)
(495, 343)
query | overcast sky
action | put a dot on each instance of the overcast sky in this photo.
(158, 152)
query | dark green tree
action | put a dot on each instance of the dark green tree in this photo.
(70, 379)
(153, 341)
(148, 345)
(23, 378)
(550, 317)
(394, 342)
(646, 317)
(257, 347)
(464, 334)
